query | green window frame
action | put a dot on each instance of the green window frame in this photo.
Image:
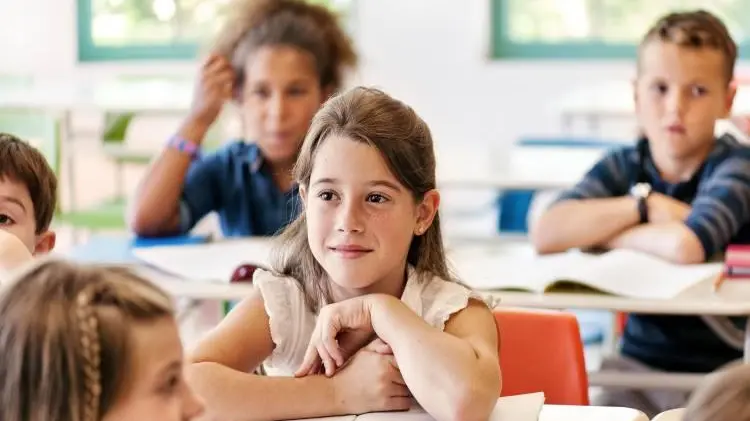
(89, 51)
(503, 46)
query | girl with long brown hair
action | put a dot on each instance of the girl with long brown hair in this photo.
(359, 312)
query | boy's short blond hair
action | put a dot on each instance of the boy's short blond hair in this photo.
(695, 29)
(23, 163)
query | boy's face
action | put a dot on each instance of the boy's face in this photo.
(679, 94)
(17, 217)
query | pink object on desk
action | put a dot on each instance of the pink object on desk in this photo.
(737, 262)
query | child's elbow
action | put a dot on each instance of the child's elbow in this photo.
(143, 223)
(543, 240)
(477, 401)
(474, 408)
(688, 250)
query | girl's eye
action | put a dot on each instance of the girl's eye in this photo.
(376, 198)
(326, 195)
(5, 219)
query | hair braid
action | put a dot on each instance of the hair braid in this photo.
(88, 327)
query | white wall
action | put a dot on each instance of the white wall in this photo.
(431, 53)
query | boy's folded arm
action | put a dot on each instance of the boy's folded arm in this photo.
(716, 215)
(591, 212)
(673, 241)
(583, 223)
(722, 207)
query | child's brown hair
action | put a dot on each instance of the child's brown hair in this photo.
(722, 396)
(312, 28)
(65, 339)
(371, 117)
(23, 163)
(695, 29)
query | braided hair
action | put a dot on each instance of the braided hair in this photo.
(65, 339)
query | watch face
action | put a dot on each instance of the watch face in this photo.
(641, 190)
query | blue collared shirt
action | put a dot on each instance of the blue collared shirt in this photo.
(237, 184)
(719, 196)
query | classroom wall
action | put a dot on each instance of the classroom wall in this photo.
(431, 53)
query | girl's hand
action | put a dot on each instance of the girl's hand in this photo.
(214, 86)
(371, 382)
(341, 330)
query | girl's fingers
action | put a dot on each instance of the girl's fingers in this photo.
(332, 347)
(328, 363)
(311, 355)
(380, 347)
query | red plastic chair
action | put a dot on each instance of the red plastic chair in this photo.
(542, 351)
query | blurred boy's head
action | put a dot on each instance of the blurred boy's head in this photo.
(28, 194)
(685, 70)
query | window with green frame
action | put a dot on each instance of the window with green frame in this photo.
(152, 29)
(596, 29)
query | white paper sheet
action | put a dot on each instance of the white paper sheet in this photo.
(510, 408)
(207, 262)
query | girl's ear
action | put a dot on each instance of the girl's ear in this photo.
(426, 211)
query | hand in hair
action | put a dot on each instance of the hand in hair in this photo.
(341, 329)
(215, 85)
(13, 251)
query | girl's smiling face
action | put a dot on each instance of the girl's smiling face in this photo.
(361, 220)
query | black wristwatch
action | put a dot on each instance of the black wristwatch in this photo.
(640, 192)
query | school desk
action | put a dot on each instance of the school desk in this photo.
(548, 413)
(118, 249)
(180, 271)
(590, 413)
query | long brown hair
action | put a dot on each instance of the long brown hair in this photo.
(312, 28)
(65, 342)
(372, 117)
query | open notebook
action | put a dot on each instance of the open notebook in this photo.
(207, 262)
(618, 272)
(525, 407)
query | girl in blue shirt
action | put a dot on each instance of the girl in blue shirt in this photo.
(278, 60)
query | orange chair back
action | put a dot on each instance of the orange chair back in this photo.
(542, 351)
